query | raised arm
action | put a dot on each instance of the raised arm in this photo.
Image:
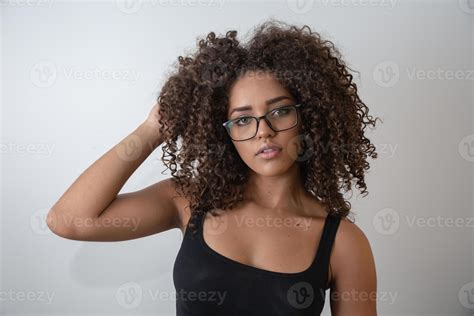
(91, 208)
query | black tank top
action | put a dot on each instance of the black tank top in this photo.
(208, 283)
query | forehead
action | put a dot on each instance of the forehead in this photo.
(255, 89)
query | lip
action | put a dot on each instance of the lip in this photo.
(269, 155)
(267, 146)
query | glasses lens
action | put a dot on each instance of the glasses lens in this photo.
(246, 127)
(242, 128)
(282, 118)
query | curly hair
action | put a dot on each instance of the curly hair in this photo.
(194, 102)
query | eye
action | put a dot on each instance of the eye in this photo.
(242, 121)
(281, 111)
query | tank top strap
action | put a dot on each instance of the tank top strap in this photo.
(200, 220)
(328, 236)
(194, 225)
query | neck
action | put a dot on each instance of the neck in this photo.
(281, 193)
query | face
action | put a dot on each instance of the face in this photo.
(255, 94)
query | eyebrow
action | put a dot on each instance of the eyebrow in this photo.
(268, 102)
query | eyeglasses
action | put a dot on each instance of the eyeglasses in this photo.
(279, 119)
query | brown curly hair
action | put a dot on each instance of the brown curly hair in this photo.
(194, 102)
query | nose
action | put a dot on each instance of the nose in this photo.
(264, 129)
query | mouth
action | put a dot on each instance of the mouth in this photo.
(269, 153)
(267, 147)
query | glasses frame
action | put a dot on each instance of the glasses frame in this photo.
(296, 106)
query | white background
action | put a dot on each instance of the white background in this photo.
(61, 111)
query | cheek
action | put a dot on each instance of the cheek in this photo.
(245, 150)
(292, 145)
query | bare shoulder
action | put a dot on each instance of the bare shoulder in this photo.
(180, 202)
(352, 253)
(350, 234)
(354, 271)
(350, 241)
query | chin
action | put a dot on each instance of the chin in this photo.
(271, 169)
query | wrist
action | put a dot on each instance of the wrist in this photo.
(151, 133)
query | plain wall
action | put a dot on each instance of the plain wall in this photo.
(56, 121)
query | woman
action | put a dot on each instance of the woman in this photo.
(270, 132)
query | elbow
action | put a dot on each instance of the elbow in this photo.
(59, 227)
